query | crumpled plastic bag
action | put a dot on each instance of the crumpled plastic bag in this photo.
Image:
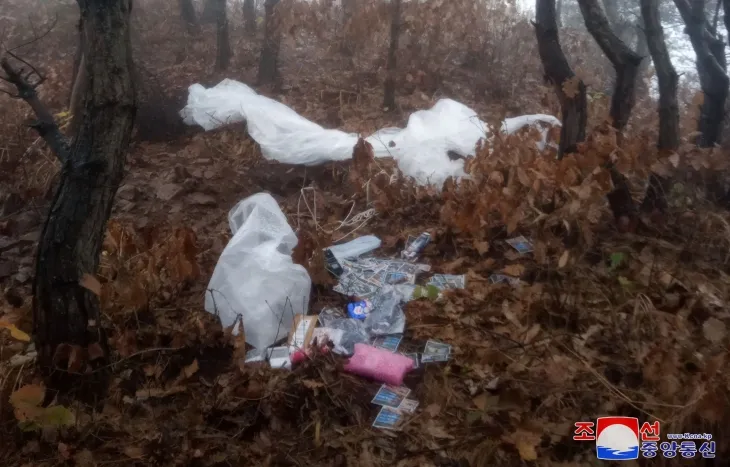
(386, 316)
(421, 149)
(353, 332)
(255, 275)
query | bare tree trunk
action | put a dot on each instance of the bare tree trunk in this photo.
(249, 16)
(666, 75)
(570, 89)
(78, 82)
(711, 68)
(348, 10)
(269, 64)
(642, 49)
(77, 59)
(187, 12)
(389, 91)
(559, 13)
(668, 140)
(725, 136)
(223, 54)
(210, 11)
(73, 353)
(625, 62)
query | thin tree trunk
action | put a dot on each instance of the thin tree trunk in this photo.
(77, 94)
(559, 13)
(346, 41)
(223, 54)
(570, 89)
(711, 68)
(625, 62)
(210, 11)
(725, 135)
(668, 140)
(642, 49)
(269, 64)
(249, 16)
(77, 60)
(389, 91)
(72, 347)
(187, 12)
(78, 82)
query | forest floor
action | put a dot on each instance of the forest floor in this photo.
(602, 323)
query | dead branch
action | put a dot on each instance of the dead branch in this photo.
(46, 125)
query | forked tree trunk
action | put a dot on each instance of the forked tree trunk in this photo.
(624, 60)
(711, 68)
(249, 16)
(389, 91)
(668, 140)
(570, 89)
(187, 13)
(67, 329)
(269, 64)
(223, 53)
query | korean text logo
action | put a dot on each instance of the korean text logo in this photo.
(622, 438)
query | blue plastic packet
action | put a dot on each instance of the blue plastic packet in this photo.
(359, 310)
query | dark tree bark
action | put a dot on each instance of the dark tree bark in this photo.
(211, 9)
(77, 59)
(726, 10)
(66, 319)
(668, 140)
(642, 49)
(570, 89)
(711, 68)
(78, 81)
(346, 42)
(223, 54)
(389, 91)
(666, 75)
(625, 62)
(559, 13)
(187, 12)
(269, 64)
(249, 16)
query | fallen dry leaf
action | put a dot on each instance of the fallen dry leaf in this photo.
(91, 284)
(143, 394)
(15, 333)
(134, 452)
(437, 431)
(714, 330)
(514, 270)
(481, 247)
(564, 259)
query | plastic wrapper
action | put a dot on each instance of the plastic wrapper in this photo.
(386, 315)
(353, 332)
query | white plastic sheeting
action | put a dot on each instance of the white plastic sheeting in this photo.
(420, 149)
(255, 275)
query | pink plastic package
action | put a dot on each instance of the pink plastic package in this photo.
(378, 364)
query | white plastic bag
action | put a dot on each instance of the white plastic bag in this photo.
(421, 149)
(255, 275)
